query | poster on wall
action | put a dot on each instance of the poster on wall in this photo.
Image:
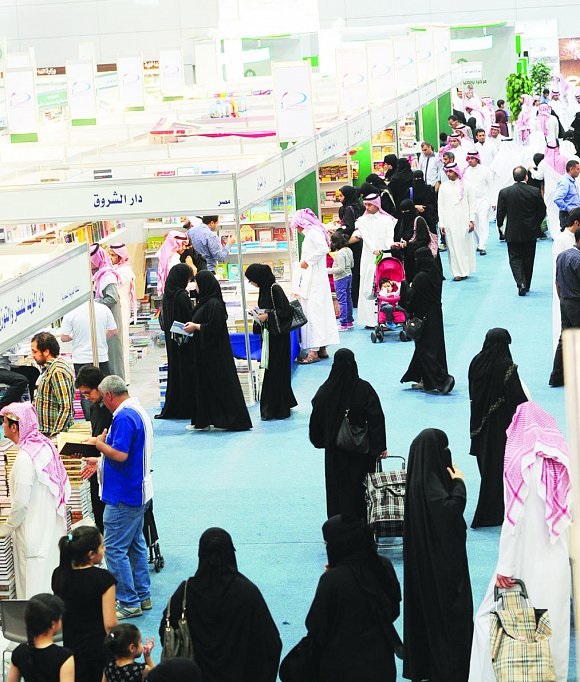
(82, 102)
(293, 100)
(171, 73)
(570, 60)
(131, 83)
(352, 78)
(381, 71)
(405, 64)
(21, 104)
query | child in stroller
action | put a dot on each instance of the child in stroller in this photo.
(389, 274)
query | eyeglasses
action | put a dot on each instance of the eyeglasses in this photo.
(86, 394)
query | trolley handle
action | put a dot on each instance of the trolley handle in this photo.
(518, 581)
(380, 462)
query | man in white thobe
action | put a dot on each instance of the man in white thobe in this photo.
(486, 147)
(376, 228)
(457, 222)
(479, 178)
(459, 149)
(559, 106)
(39, 491)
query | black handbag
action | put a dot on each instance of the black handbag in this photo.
(177, 641)
(298, 317)
(413, 328)
(299, 664)
(353, 438)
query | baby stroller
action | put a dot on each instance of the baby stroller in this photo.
(152, 539)
(387, 268)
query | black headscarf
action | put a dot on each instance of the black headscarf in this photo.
(217, 563)
(392, 160)
(376, 180)
(405, 223)
(263, 276)
(176, 670)
(350, 194)
(175, 298)
(423, 194)
(538, 158)
(368, 189)
(333, 398)
(404, 170)
(489, 372)
(208, 288)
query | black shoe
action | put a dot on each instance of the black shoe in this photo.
(448, 385)
(482, 252)
(501, 238)
(522, 290)
(556, 381)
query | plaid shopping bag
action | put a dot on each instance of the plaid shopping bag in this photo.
(385, 498)
(520, 634)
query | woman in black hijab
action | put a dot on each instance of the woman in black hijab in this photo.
(176, 306)
(375, 184)
(276, 398)
(495, 391)
(413, 233)
(345, 471)
(390, 165)
(357, 600)
(422, 299)
(219, 400)
(438, 607)
(425, 200)
(233, 634)
(400, 182)
(349, 212)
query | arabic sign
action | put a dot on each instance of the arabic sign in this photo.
(427, 93)
(332, 143)
(21, 105)
(116, 199)
(299, 160)
(131, 89)
(35, 299)
(384, 117)
(82, 102)
(171, 73)
(351, 77)
(293, 100)
(259, 182)
(381, 70)
(359, 129)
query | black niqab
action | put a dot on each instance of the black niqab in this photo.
(175, 298)
(333, 398)
(208, 288)
(376, 181)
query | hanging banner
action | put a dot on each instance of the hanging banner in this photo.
(171, 74)
(82, 101)
(351, 77)
(293, 100)
(131, 84)
(381, 71)
(405, 64)
(21, 104)
(441, 50)
(426, 68)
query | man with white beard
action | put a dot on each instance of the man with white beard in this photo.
(479, 178)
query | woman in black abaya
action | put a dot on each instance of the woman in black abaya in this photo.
(438, 607)
(495, 391)
(413, 232)
(425, 200)
(345, 471)
(233, 634)
(219, 400)
(177, 307)
(349, 212)
(357, 600)
(400, 182)
(422, 298)
(276, 398)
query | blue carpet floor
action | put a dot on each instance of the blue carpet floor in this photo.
(266, 487)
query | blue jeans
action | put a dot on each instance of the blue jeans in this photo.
(127, 552)
(343, 288)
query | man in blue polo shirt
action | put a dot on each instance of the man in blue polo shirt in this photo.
(126, 490)
(566, 196)
(568, 288)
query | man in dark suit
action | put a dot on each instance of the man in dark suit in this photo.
(523, 209)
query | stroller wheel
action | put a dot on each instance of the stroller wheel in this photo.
(373, 337)
(403, 336)
(380, 336)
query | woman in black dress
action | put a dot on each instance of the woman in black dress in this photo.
(438, 607)
(375, 184)
(413, 232)
(345, 471)
(349, 212)
(218, 397)
(425, 199)
(176, 306)
(422, 299)
(357, 600)
(495, 391)
(233, 634)
(401, 181)
(276, 398)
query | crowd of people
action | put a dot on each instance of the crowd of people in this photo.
(446, 204)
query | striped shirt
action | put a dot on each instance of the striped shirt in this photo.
(54, 397)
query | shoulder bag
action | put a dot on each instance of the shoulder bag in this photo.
(177, 641)
(298, 317)
(352, 438)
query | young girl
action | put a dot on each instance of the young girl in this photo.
(89, 596)
(342, 273)
(124, 645)
(388, 300)
(40, 660)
